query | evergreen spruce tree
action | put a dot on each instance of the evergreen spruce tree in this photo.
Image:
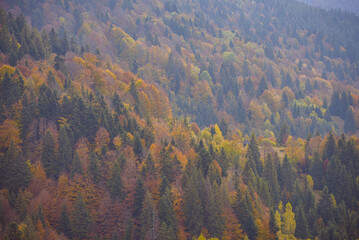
(65, 150)
(64, 224)
(325, 206)
(262, 87)
(138, 199)
(8, 95)
(214, 221)
(149, 218)
(193, 206)
(330, 147)
(137, 148)
(270, 175)
(166, 211)
(94, 168)
(316, 171)
(166, 233)
(14, 171)
(288, 174)
(302, 229)
(244, 212)
(81, 222)
(253, 153)
(48, 156)
(76, 165)
(115, 183)
(349, 124)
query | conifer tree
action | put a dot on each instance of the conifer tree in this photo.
(349, 124)
(166, 212)
(262, 87)
(64, 224)
(76, 165)
(94, 167)
(137, 148)
(115, 183)
(166, 233)
(65, 150)
(14, 171)
(81, 222)
(138, 199)
(330, 147)
(149, 218)
(8, 95)
(48, 156)
(325, 206)
(288, 174)
(243, 210)
(302, 229)
(270, 175)
(214, 220)
(254, 154)
(193, 206)
(316, 171)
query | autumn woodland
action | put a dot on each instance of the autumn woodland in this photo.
(164, 119)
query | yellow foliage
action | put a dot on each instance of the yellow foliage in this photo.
(129, 136)
(79, 60)
(121, 38)
(9, 134)
(6, 69)
(182, 137)
(91, 58)
(38, 171)
(256, 112)
(62, 20)
(102, 139)
(117, 141)
(201, 92)
(111, 74)
(206, 135)
(63, 185)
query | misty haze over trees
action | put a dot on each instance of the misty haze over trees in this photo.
(208, 119)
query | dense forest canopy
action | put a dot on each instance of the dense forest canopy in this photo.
(345, 5)
(218, 119)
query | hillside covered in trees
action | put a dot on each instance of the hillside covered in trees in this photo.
(345, 5)
(136, 119)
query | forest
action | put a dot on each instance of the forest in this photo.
(208, 119)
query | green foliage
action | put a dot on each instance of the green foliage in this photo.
(149, 218)
(115, 184)
(49, 156)
(65, 151)
(14, 170)
(138, 199)
(64, 224)
(94, 168)
(178, 48)
(167, 215)
(82, 220)
(302, 229)
(193, 207)
(349, 124)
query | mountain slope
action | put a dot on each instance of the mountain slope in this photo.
(186, 47)
(347, 5)
(137, 119)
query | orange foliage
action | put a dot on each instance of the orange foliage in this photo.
(102, 139)
(181, 136)
(82, 149)
(9, 134)
(232, 227)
